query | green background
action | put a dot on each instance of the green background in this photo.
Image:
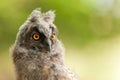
(89, 30)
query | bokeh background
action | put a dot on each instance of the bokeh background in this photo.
(89, 30)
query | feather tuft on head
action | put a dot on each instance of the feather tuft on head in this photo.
(49, 16)
(35, 15)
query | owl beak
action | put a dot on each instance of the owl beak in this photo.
(49, 46)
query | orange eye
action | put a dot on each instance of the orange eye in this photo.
(52, 37)
(36, 36)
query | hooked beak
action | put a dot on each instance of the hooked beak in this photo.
(49, 45)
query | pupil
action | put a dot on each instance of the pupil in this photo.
(36, 36)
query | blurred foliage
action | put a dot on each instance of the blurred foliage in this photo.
(79, 21)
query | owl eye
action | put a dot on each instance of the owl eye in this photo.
(36, 36)
(52, 37)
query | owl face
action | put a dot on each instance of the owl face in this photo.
(38, 32)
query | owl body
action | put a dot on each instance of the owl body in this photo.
(37, 53)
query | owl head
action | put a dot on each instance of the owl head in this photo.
(38, 32)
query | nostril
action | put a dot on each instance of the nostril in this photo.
(21, 45)
(33, 48)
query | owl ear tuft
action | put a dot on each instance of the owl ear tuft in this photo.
(35, 15)
(49, 16)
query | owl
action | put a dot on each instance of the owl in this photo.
(37, 52)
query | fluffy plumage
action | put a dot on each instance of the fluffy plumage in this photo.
(40, 58)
